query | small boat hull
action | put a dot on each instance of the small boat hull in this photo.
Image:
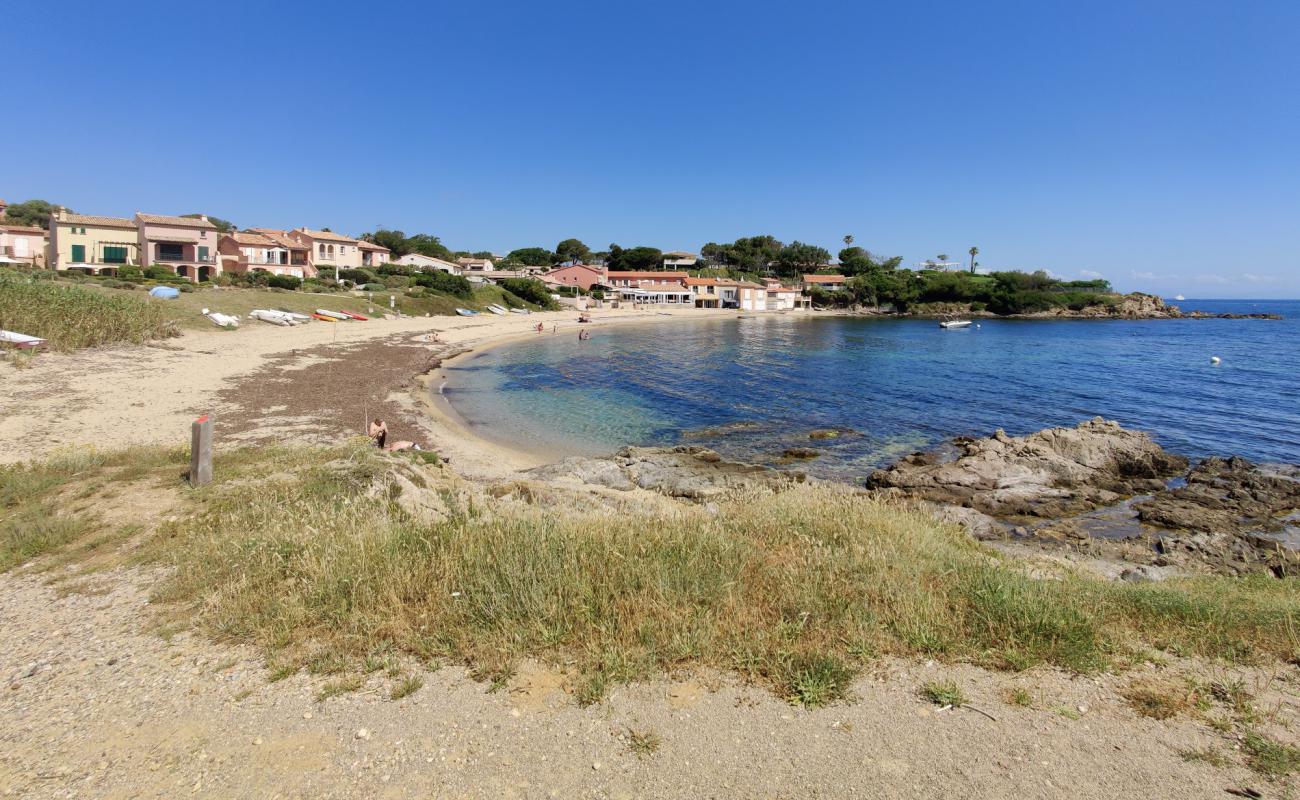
(520, 311)
(465, 312)
(357, 317)
(324, 318)
(337, 316)
(273, 317)
(20, 340)
(955, 323)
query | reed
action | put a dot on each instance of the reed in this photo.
(308, 553)
(73, 317)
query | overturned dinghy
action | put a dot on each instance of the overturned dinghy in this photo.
(221, 320)
(20, 340)
(496, 309)
(273, 317)
(335, 315)
(520, 311)
(466, 312)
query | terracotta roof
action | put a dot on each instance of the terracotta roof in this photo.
(379, 248)
(280, 238)
(163, 219)
(660, 287)
(648, 276)
(784, 289)
(823, 279)
(328, 236)
(257, 239)
(103, 222)
(701, 281)
(21, 228)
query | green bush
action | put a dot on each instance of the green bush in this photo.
(155, 272)
(360, 277)
(533, 291)
(440, 281)
(130, 273)
(396, 281)
(284, 281)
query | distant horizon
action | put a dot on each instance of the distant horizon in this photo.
(1151, 143)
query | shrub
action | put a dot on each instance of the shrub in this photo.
(533, 291)
(155, 272)
(360, 277)
(284, 281)
(130, 273)
(440, 281)
(396, 281)
(70, 317)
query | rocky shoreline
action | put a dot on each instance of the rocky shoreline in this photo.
(1096, 491)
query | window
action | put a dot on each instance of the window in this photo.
(78, 254)
(168, 251)
(203, 252)
(114, 254)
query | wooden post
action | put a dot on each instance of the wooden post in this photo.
(201, 451)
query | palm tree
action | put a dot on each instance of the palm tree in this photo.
(848, 240)
(974, 251)
(943, 258)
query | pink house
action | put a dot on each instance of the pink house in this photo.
(185, 245)
(580, 275)
(22, 244)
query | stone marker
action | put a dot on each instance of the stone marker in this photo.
(201, 451)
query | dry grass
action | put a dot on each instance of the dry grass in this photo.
(1159, 699)
(71, 317)
(306, 553)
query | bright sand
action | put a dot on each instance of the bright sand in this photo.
(115, 397)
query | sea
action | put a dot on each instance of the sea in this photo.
(755, 386)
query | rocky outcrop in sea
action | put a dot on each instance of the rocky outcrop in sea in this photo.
(1102, 490)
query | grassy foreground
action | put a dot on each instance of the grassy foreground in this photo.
(70, 317)
(308, 554)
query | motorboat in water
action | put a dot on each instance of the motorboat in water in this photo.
(954, 323)
(1179, 297)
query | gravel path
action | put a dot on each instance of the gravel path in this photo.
(96, 704)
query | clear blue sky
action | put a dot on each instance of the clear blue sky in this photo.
(1155, 142)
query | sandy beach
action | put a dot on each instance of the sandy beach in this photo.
(315, 382)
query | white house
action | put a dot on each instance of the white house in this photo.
(475, 264)
(429, 263)
(679, 259)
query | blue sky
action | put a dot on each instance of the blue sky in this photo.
(1156, 143)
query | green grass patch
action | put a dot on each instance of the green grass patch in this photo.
(943, 693)
(71, 317)
(1270, 757)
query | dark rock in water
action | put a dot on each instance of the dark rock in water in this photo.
(1226, 496)
(695, 473)
(1052, 473)
(729, 429)
(800, 452)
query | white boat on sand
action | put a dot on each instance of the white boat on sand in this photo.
(339, 315)
(20, 340)
(221, 320)
(274, 317)
(496, 309)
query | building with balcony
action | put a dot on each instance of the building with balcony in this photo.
(23, 245)
(373, 255)
(468, 264)
(329, 251)
(97, 245)
(264, 250)
(184, 245)
(680, 259)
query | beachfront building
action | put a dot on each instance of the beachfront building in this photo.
(264, 250)
(704, 292)
(96, 245)
(621, 280)
(580, 275)
(831, 283)
(22, 244)
(329, 251)
(750, 296)
(429, 264)
(653, 293)
(184, 245)
(373, 255)
(679, 259)
(468, 264)
(785, 298)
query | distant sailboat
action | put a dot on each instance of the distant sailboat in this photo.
(1179, 297)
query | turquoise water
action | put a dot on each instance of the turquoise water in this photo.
(898, 385)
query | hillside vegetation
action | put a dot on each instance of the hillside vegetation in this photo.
(1000, 292)
(312, 555)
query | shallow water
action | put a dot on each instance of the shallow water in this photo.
(753, 386)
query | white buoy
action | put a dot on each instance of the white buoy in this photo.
(1214, 359)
